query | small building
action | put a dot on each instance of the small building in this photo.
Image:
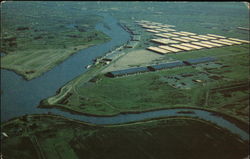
(199, 60)
(127, 71)
(166, 65)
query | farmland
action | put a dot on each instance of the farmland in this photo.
(48, 136)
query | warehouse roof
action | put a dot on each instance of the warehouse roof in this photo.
(166, 65)
(127, 71)
(158, 50)
(199, 60)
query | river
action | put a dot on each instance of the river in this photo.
(20, 97)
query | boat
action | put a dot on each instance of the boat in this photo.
(88, 66)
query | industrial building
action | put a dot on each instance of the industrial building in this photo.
(156, 67)
(199, 60)
(166, 65)
(127, 71)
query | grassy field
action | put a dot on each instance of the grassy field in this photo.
(56, 138)
(44, 34)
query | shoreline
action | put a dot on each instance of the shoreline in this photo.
(238, 122)
(126, 123)
(51, 66)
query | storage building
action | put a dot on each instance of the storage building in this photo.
(203, 45)
(158, 50)
(182, 40)
(182, 47)
(221, 42)
(191, 45)
(152, 31)
(127, 71)
(210, 43)
(187, 33)
(199, 60)
(218, 36)
(169, 34)
(230, 41)
(169, 48)
(244, 41)
(188, 38)
(166, 65)
(198, 37)
(208, 37)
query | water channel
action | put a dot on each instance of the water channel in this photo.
(20, 97)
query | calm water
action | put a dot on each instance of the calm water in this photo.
(20, 97)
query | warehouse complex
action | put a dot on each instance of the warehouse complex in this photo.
(169, 65)
(171, 41)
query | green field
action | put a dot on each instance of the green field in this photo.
(36, 36)
(53, 137)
